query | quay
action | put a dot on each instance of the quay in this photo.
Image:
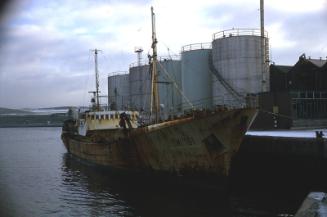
(279, 162)
(314, 205)
(285, 146)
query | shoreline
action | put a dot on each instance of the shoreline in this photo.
(30, 125)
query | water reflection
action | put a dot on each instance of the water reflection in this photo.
(100, 192)
(38, 179)
(88, 191)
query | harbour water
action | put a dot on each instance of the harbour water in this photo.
(38, 178)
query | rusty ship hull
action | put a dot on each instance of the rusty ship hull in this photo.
(201, 144)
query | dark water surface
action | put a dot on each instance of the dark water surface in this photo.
(38, 178)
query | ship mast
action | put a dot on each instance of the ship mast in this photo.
(155, 108)
(97, 102)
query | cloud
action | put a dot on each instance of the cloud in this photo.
(47, 53)
(46, 58)
(297, 33)
(296, 6)
(279, 38)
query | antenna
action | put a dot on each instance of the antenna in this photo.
(139, 51)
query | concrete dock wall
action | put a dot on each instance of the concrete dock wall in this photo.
(280, 163)
(285, 146)
(314, 205)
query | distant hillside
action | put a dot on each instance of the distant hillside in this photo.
(4, 111)
(38, 118)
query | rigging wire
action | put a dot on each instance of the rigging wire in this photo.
(105, 79)
(87, 78)
(169, 50)
(176, 86)
(276, 114)
(146, 87)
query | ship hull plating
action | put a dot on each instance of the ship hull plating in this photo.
(202, 144)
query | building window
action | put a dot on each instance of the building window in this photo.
(310, 95)
(317, 94)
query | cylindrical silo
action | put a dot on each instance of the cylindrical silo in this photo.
(196, 76)
(118, 91)
(169, 81)
(238, 58)
(140, 87)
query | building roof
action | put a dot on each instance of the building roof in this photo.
(282, 68)
(317, 62)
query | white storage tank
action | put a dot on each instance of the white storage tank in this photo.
(196, 76)
(118, 90)
(169, 76)
(169, 79)
(237, 56)
(140, 87)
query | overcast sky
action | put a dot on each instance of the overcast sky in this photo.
(45, 45)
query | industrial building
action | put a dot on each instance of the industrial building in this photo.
(206, 75)
(240, 65)
(225, 72)
(196, 76)
(118, 91)
(298, 96)
(132, 90)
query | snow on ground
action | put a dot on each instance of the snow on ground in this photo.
(48, 111)
(289, 133)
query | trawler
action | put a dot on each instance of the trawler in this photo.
(201, 142)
